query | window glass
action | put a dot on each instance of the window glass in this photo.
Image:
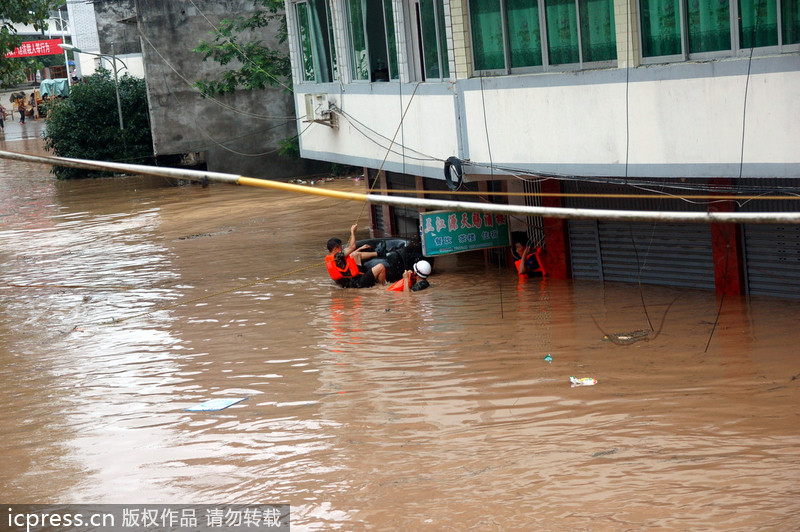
(330, 42)
(524, 36)
(305, 41)
(316, 44)
(433, 37)
(562, 31)
(758, 23)
(388, 15)
(709, 25)
(598, 33)
(790, 21)
(487, 34)
(358, 43)
(443, 59)
(661, 27)
(376, 41)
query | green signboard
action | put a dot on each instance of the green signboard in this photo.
(445, 232)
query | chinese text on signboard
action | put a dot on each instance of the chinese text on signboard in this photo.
(33, 48)
(445, 232)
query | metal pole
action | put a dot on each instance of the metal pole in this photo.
(116, 87)
(66, 57)
(550, 212)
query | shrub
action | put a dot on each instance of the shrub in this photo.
(86, 124)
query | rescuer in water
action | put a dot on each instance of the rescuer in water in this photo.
(413, 281)
(532, 262)
(345, 265)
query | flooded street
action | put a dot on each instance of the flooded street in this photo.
(125, 301)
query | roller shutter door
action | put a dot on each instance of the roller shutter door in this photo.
(772, 260)
(663, 254)
(584, 250)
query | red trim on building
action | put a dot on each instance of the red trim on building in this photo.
(726, 247)
(556, 257)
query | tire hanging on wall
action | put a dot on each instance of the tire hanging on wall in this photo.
(453, 174)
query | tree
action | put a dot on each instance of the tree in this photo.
(86, 124)
(258, 65)
(22, 12)
(235, 41)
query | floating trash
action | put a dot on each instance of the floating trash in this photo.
(583, 381)
(548, 358)
(629, 338)
(215, 404)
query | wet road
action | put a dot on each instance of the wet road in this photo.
(368, 410)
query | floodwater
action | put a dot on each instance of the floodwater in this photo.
(125, 301)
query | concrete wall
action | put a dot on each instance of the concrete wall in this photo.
(116, 23)
(238, 133)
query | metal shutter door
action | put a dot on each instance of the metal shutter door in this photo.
(663, 254)
(584, 250)
(772, 255)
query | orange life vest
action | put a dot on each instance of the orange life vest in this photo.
(349, 271)
(537, 254)
(399, 286)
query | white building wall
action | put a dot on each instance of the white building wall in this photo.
(83, 26)
(367, 123)
(664, 121)
(686, 119)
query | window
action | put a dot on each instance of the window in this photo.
(524, 33)
(373, 44)
(758, 23)
(317, 50)
(511, 34)
(709, 26)
(683, 27)
(432, 36)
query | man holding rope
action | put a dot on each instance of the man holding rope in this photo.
(345, 266)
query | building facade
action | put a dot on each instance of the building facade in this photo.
(627, 104)
(105, 30)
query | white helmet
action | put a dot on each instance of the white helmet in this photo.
(422, 268)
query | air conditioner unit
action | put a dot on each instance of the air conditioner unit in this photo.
(317, 107)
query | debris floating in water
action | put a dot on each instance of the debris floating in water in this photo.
(548, 358)
(583, 381)
(214, 405)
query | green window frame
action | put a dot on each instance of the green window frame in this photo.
(681, 28)
(373, 43)
(315, 34)
(535, 34)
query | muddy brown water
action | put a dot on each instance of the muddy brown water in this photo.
(368, 409)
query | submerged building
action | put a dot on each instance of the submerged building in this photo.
(624, 104)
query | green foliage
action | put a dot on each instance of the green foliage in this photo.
(31, 12)
(290, 147)
(86, 124)
(257, 66)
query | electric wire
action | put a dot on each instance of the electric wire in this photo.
(212, 99)
(241, 53)
(386, 156)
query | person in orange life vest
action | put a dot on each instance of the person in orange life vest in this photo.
(532, 262)
(345, 265)
(413, 281)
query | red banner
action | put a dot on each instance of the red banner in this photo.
(32, 48)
